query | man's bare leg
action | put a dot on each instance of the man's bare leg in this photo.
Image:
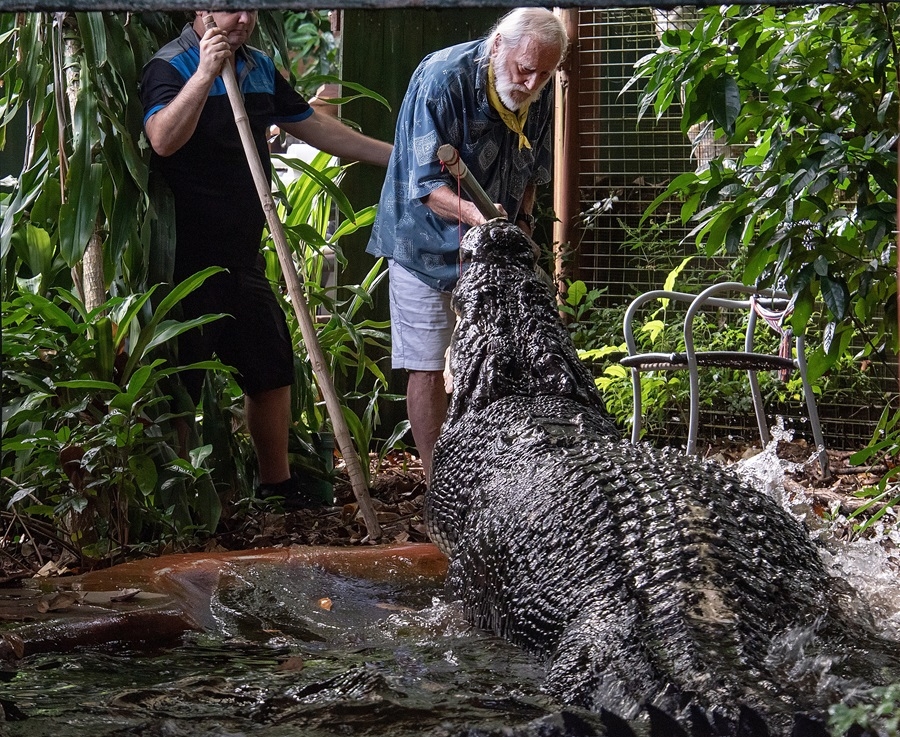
(426, 407)
(268, 416)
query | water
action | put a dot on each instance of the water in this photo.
(871, 563)
(385, 660)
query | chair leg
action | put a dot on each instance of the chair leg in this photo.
(813, 413)
(636, 416)
(812, 409)
(694, 419)
(759, 409)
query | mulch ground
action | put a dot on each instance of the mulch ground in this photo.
(399, 491)
(398, 494)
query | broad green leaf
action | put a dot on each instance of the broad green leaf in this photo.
(326, 184)
(725, 102)
(182, 289)
(39, 253)
(93, 36)
(132, 304)
(143, 469)
(836, 296)
(575, 292)
(364, 217)
(169, 329)
(673, 275)
(682, 181)
(89, 384)
(320, 79)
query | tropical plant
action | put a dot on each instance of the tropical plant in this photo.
(312, 47)
(806, 99)
(349, 341)
(87, 441)
(885, 495)
(875, 711)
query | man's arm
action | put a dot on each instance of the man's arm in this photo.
(171, 127)
(328, 134)
(445, 203)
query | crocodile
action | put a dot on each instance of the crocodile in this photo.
(659, 588)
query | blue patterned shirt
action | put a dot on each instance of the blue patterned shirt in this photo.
(447, 103)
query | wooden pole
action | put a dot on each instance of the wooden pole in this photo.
(449, 157)
(301, 310)
(567, 231)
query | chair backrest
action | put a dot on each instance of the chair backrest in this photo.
(773, 306)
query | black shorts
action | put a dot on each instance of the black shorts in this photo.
(253, 335)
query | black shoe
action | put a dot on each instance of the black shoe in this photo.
(290, 493)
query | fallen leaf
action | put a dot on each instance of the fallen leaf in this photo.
(125, 595)
(58, 602)
(50, 568)
(294, 664)
(12, 647)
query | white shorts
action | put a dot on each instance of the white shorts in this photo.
(422, 322)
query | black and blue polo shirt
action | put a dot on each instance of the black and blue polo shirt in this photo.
(219, 218)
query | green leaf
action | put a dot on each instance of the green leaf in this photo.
(39, 253)
(836, 296)
(325, 182)
(316, 81)
(184, 288)
(364, 217)
(93, 36)
(725, 102)
(170, 329)
(576, 292)
(89, 384)
(679, 183)
(143, 469)
(133, 304)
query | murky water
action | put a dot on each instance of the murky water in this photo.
(383, 661)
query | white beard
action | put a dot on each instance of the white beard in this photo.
(506, 87)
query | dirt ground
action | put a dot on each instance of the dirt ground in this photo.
(398, 494)
(399, 488)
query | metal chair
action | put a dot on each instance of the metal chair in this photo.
(773, 306)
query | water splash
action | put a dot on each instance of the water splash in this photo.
(871, 564)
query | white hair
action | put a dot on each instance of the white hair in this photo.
(539, 24)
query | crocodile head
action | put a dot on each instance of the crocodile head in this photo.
(509, 339)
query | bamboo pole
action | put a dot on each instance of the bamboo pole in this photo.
(449, 157)
(301, 310)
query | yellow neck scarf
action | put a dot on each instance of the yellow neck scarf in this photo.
(515, 121)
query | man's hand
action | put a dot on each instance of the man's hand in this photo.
(215, 52)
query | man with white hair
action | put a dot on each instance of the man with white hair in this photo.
(490, 100)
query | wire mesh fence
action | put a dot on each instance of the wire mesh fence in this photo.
(624, 165)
